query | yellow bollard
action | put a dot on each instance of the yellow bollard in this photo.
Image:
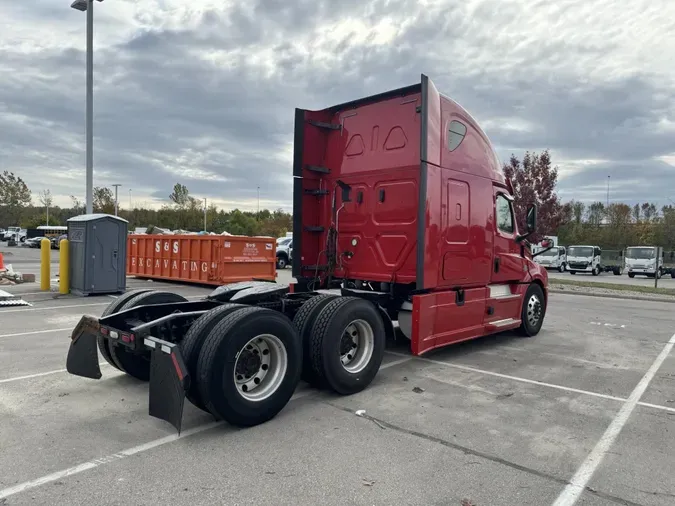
(64, 266)
(45, 260)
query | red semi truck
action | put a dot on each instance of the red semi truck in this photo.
(402, 215)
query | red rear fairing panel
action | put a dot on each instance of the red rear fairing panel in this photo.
(372, 145)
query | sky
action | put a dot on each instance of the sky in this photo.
(203, 92)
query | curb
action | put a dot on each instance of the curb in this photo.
(612, 296)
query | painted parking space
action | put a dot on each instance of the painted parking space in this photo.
(499, 420)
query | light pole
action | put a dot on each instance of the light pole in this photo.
(258, 203)
(608, 177)
(116, 201)
(204, 214)
(88, 7)
(129, 199)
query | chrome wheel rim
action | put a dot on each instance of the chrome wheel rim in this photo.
(533, 310)
(260, 367)
(357, 346)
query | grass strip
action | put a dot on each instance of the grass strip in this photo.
(612, 286)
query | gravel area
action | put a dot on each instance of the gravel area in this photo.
(605, 292)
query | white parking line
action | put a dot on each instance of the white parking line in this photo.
(48, 308)
(40, 374)
(571, 493)
(28, 485)
(33, 332)
(535, 382)
(514, 378)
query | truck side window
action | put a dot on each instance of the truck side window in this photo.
(504, 215)
(456, 134)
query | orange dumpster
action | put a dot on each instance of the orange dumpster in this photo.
(202, 259)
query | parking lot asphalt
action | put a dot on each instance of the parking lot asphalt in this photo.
(583, 413)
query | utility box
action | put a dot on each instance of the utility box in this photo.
(98, 252)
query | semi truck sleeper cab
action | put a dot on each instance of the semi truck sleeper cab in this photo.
(401, 213)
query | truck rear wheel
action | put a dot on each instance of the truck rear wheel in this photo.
(304, 321)
(191, 345)
(533, 312)
(347, 345)
(137, 365)
(114, 307)
(249, 366)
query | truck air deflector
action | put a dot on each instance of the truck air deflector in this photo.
(422, 196)
(298, 150)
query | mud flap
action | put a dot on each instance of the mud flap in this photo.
(169, 381)
(82, 357)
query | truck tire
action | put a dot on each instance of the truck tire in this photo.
(672, 274)
(114, 307)
(573, 272)
(596, 270)
(249, 366)
(618, 271)
(191, 345)
(282, 262)
(135, 364)
(304, 320)
(631, 275)
(338, 362)
(562, 267)
(533, 312)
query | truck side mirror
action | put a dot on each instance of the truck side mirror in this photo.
(531, 219)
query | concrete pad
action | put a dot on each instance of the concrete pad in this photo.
(639, 467)
(545, 432)
(62, 420)
(662, 388)
(310, 454)
(576, 352)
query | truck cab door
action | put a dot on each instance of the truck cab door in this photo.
(507, 263)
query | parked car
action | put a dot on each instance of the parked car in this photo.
(56, 241)
(33, 242)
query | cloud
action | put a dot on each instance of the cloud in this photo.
(203, 93)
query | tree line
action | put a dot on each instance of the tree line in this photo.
(534, 180)
(183, 211)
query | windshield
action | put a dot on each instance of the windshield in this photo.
(550, 253)
(579, 251)
(640, 253)
(284, 241)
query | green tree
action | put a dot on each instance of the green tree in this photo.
(595, 213)
(180, 195)
(104, 200)
(46, 200)
(14, 198)
(578, 209)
